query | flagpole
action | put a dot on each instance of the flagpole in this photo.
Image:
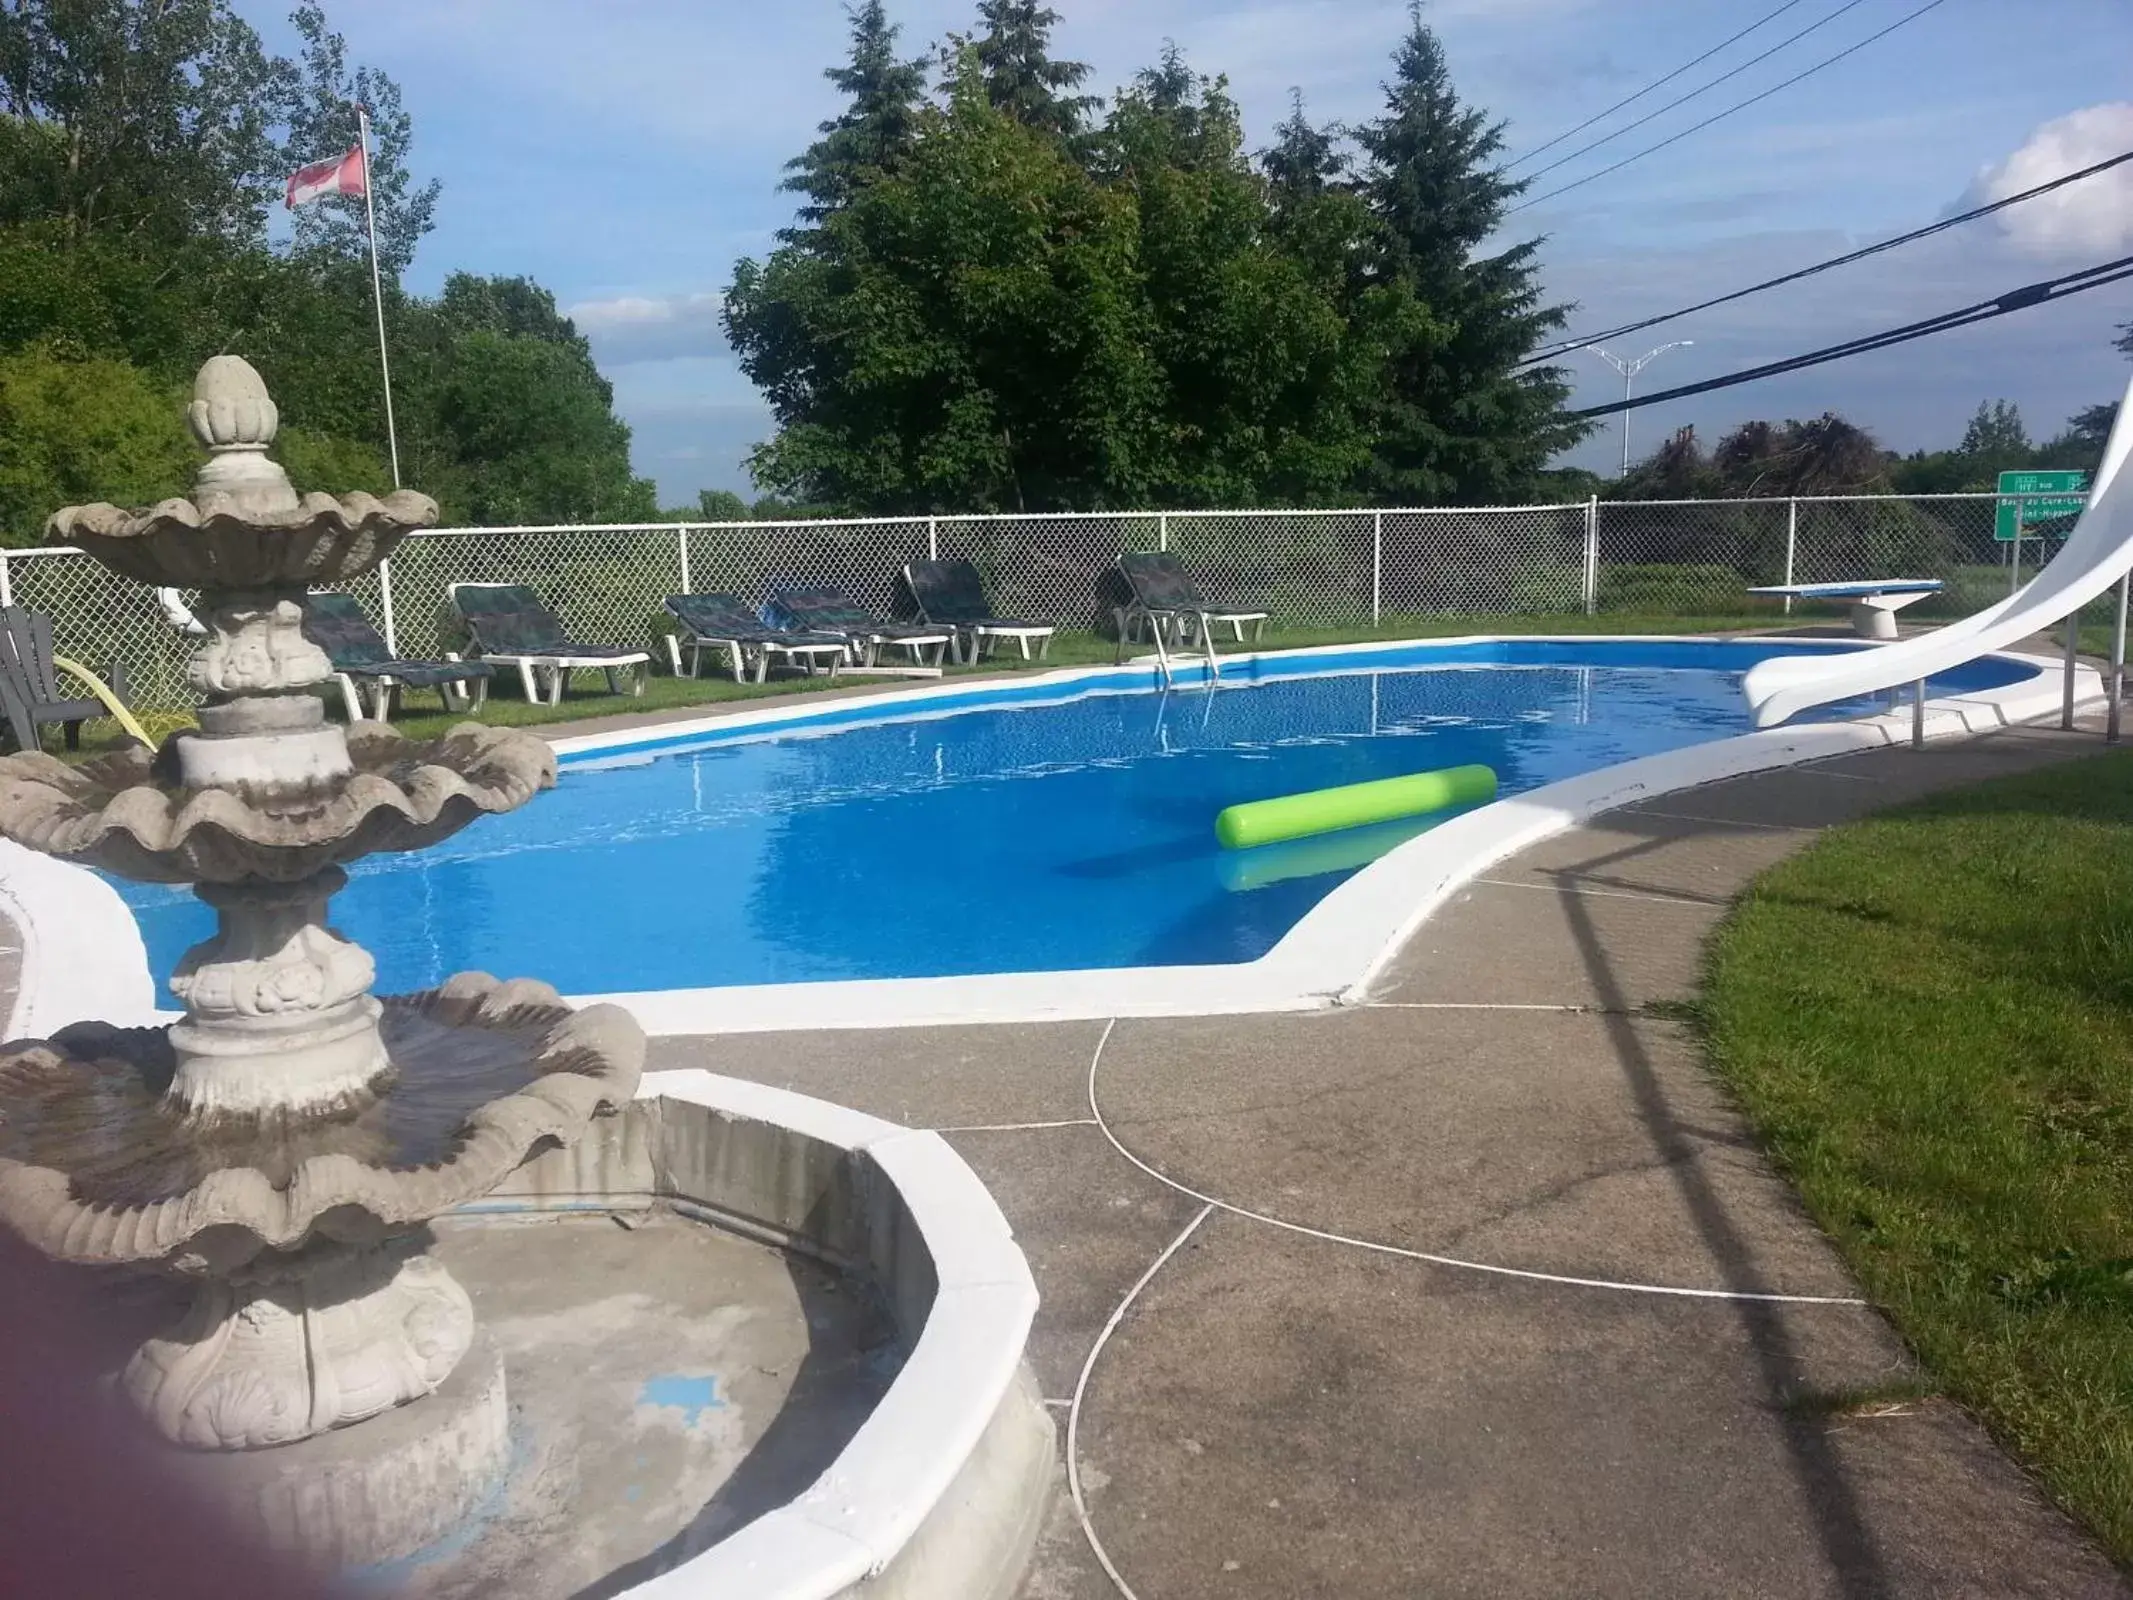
(377, 291)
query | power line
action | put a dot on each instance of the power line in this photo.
(1704, 88)
(1742, 105)
(2022, 299)
(1572, 347)
(1656, 83)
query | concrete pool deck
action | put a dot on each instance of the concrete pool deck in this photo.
(1295, 1404)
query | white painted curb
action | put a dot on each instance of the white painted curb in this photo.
(861, 1513)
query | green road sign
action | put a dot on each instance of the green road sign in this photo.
(2047, 497)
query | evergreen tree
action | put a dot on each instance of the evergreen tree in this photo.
(1303, 162)
(1014, 53)
(2124, 342)
(1458, 420)
(874, 132)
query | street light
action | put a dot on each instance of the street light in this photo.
(1629, 371)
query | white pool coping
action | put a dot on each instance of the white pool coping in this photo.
(83, 956)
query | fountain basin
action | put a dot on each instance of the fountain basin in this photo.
(939, 1491)
(313, 541)
(126, 813)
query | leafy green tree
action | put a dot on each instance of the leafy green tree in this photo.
(76, 428)
(1458, 419)
(721, 505)
(875, 130)
(322, 124)
(1261, 382)
(1022, 78)
(531, 435)
(967, 335)
(147, 118)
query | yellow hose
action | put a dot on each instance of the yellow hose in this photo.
(102, 691)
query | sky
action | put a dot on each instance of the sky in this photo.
(627, 153)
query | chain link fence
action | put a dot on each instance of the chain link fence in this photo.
(1310, 569)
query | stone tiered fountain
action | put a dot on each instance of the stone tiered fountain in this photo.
(283, 1146)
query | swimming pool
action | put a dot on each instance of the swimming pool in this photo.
(1048, 826)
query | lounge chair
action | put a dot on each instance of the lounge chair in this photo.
(510, 627)
(951, 594)
(336, 623)
(824, 608)
(1166, 598)
(721, 622)
(29, 682)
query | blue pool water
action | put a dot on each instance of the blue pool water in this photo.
(1040, 835)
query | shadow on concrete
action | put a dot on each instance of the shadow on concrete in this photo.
(1854, 1558)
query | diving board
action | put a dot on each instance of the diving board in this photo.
(1874, 604)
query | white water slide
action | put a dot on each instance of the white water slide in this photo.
(2097, 553)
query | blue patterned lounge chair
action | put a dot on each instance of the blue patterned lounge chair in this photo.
(721, 622)
(361, 659)
(824, 608)
(951, 594)
(509, 626)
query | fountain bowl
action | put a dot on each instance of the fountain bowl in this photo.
(217, 542)
(131, 814)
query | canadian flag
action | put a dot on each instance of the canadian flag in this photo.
(342, 175)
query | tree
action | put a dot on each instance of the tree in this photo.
(2079, 445)
(2124, 342)
(721, 505)
(76, 428)
(968, 334)
(322, 123)
(1458, 419)
(874, 131)
(1260, 381)
(1826, 455)
(1014, 54)
(150, 119)
(1303, 162)
(1995, 432)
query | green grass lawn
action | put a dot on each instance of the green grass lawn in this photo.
(1929, 1016)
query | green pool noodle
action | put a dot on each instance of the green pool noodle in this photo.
(1298, 816)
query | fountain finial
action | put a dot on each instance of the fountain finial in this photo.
(235, 418)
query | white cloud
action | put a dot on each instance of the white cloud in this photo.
(630, 328)
(2091, 219)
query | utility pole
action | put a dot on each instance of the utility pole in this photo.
(1629, 371)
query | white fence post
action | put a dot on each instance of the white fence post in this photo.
(1377, 564)
(1162, 530)
(688, 585)
(7, 581)
(933, 538)
(1592, 555)
(385, 602)
(1792, 543)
